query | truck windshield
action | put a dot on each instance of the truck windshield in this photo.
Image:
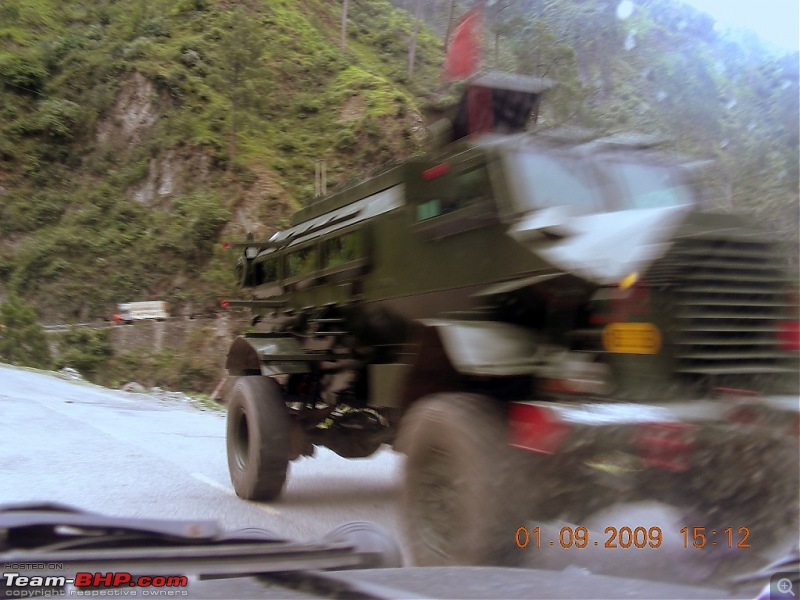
(647, 185)
(554, 180)
(594, 184)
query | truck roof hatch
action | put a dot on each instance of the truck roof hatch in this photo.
(498, 102)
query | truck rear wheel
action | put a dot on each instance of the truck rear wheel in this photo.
(460, 501)
(257, 438)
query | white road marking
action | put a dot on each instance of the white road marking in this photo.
(265, 507)
(128, 440)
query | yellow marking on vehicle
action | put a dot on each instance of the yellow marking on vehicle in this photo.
(631, 338)
(629, 280)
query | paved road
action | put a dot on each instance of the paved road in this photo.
(135, 455)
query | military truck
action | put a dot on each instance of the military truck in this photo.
(543, 322)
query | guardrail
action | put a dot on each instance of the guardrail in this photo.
(99, 324)
(109, 324)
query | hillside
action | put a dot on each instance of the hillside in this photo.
(135, 135)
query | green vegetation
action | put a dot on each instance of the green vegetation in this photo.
(133, 135)
(85, 350)
(22, 340)
(194, 367)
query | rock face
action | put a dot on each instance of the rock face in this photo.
(130, 123)
(133, 114)
(262, 207)
(166, 176)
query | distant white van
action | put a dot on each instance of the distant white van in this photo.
(141, 311)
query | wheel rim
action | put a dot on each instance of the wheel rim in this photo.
(241, 444)
(435, 501)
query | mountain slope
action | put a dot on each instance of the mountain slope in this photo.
(134, 133)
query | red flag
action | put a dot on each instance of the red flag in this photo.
(463, 54)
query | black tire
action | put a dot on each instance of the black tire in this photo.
(461, 503)
(257, 438)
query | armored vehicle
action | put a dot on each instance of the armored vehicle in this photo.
(543, 322)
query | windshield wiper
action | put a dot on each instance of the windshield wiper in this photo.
(64, 541)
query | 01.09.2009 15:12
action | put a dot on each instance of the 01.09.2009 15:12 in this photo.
(627, 537)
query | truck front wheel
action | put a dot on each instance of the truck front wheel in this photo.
(461, 504)
(257, 438)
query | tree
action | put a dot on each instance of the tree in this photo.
(22, 340)
(242, 72)
(343, 42)
(412, 48)
(539, 53)
(450, 12)
(499, 26)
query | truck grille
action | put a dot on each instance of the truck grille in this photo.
(730, 294)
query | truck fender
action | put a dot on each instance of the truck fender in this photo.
(489, 348)
(270, 354)
(450, 350)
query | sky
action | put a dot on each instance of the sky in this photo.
(776, 21)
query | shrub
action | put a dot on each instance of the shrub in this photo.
(23, 72)
(22, 213)
(196, 224)
(85, 349)
(56, 118)
(22, 339)
(346, 140)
